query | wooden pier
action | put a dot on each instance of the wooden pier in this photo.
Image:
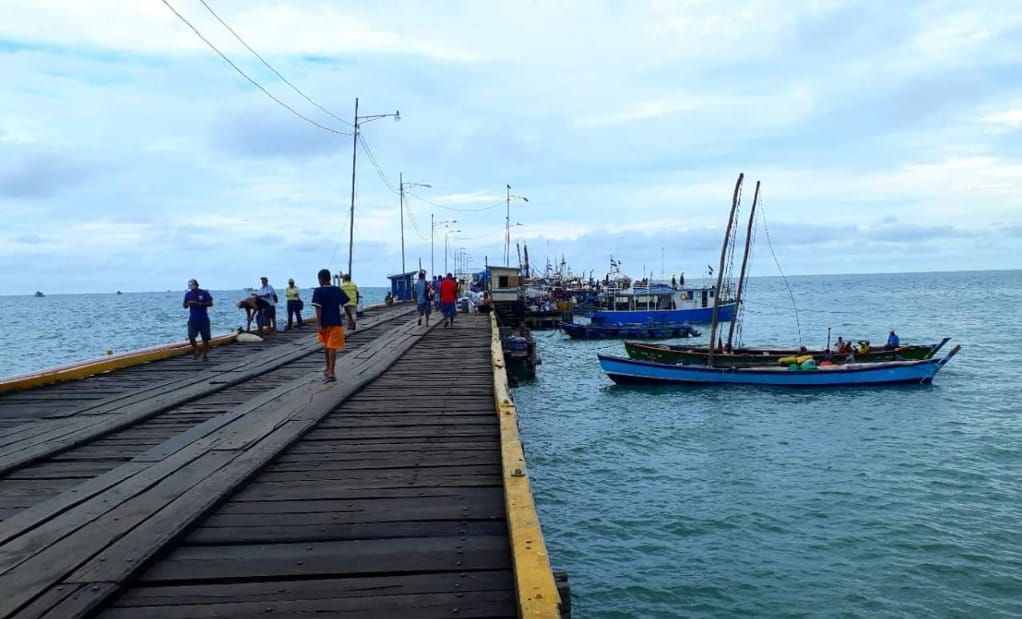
(246, 486)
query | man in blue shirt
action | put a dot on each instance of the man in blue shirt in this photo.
(893, 341)
(329, 303)
(196, 302)
(422, 297)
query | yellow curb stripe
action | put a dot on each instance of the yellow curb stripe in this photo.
(85, 369)
(534, 579)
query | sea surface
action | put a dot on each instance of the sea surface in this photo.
(737, 502)
(42, 332)
(752, 502)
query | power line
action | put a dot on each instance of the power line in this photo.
(267, 65)
(459, 210)
(246, 76)
(376, 165)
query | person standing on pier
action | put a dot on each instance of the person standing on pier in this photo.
(422, 297)
(329, 302)
(294, 303)
(448, 298)
(269, 304)
(351, 291)
(196, 302)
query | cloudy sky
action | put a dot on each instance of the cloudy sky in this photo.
(887, 136)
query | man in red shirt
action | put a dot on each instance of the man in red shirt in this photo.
(448, 299)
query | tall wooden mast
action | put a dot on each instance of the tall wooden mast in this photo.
(741, 275)
(720, 269)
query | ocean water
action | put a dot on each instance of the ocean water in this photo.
(43, 332)
(751, 502)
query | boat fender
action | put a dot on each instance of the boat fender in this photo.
(803, 358)
(247, 338)
(808, 364)
(825, 364)
(787, 360)
(793, 367)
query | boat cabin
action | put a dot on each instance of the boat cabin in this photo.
(504, 283)
(657, 297)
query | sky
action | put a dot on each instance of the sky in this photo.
(887, 137)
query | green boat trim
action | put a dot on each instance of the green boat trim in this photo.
(749, 357)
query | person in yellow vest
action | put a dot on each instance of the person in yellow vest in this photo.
(294, 304)
(351, 290)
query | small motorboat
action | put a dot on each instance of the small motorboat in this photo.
(632, 371)
(39, 294)
(648, 331)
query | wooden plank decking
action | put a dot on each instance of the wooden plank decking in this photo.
(382, 495)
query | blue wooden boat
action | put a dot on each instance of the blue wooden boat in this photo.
(661, 303)
(631, 371)
(629, 331)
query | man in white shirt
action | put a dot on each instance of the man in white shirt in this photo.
(269, 296)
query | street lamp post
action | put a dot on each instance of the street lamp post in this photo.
(507, 225)
(432, 233)
(354, 152)
(402, 184)
(446, 234)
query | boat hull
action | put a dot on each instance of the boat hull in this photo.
(694, 314)
(631, 371)
(605, 332)
(662, 353)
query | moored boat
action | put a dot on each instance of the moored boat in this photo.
(660, 303)
(636, 331)
(749, 357)
(632, 371)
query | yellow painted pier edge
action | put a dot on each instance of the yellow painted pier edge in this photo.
(534, 578)
(85, 369)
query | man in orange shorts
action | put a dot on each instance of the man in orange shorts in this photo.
(329, 303)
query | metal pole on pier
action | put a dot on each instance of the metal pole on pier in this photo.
(401, 184)
(351, 215)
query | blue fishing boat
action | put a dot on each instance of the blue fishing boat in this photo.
(631, 371)
(659, 303)
(660, 331)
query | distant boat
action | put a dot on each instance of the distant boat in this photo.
(119, 292)
(39, 294)
(631, 371)
(249, 289)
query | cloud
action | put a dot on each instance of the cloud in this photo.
(36, 174)
(267, 131)
(884, 135)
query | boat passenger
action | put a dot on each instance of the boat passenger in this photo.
(863, 348)
(893, 341)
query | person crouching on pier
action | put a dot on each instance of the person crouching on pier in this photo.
(196, 302)
(329, 302)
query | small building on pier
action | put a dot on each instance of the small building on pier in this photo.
(402, 285)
